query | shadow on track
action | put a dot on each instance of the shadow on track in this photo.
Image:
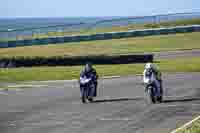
(181, 100)
(118, 100)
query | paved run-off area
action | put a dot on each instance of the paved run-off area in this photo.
(55, 107)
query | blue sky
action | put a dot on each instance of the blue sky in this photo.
(75, 8)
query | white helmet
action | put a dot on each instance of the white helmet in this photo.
(148, 66)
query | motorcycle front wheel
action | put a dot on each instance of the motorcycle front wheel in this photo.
(150, 96)
(159, 99)
(83, 99)
(83, 95)
(90, 99)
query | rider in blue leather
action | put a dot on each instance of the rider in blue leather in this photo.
(90, 72)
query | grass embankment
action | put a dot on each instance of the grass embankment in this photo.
(194, 128)
(94, 30)
(109, 47)
(143, 26)
(60, 73)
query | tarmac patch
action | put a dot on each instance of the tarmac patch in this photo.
(3, 93)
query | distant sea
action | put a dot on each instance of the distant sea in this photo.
(21, 23)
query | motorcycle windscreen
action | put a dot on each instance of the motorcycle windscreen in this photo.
(149, 77)
(84, 80)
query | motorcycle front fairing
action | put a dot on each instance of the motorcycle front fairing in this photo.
(149, 77)
(84, 80)
(150, 80)
(87, 86)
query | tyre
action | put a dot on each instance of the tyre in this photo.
(149, 96)
(153, 100)
(160, 99)
(90, 99)
(83, 99)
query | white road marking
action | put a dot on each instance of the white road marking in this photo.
(18, 89)
(186, 125)
(3, 93)
(115, 119)
(15, 111)
(180, 97)
(72, 80)
(56, 81)
(47, 123)
(176, 105)
(109, 77)
(26, 85)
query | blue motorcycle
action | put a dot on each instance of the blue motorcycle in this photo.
(153, 89)
(87, 88)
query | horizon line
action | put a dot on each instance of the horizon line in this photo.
(41, 17)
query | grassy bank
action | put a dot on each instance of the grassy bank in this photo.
(194, 128)
(109, 47)
(142, 26)
(60, 73)
(93, 30)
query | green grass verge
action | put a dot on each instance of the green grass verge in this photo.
(61, 73)
(194, 128)
(109, 47)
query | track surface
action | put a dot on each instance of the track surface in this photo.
(177, 54)
(119, 107)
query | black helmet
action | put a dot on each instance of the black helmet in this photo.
(88, 66)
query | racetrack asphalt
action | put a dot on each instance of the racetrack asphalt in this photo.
(119, 107)
(177, 54)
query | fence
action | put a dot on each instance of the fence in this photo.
(103, 36)
(80, 31)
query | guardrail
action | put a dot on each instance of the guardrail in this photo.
(102, 36)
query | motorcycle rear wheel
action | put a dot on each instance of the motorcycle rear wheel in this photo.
(90, 99)
(83, 99)
(149, 96)
(159, 99)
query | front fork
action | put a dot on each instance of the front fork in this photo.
(157, 89)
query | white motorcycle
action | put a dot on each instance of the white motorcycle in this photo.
(153, 89)
(87, 89)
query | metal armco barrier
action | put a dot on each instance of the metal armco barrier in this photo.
(4, 44)
(103, 36)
